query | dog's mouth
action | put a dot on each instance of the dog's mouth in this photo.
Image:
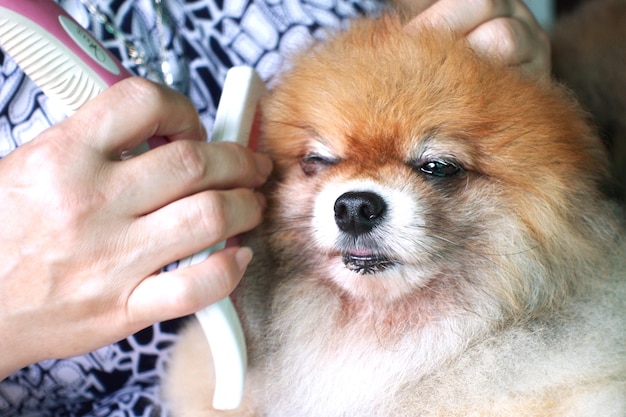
(366, 264)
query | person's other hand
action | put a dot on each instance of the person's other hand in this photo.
(85, 232)
(504, 28)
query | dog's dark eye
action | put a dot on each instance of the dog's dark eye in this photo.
(313, 164)
(440, 169)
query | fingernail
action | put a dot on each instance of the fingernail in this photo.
(263, 164)
(243, 256)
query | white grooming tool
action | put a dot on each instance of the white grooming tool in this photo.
(234, 122)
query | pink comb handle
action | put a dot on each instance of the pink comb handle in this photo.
(60, 26)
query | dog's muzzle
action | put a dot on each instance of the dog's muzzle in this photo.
(357, 213)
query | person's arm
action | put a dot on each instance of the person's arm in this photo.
(504, 28)
(84, 232)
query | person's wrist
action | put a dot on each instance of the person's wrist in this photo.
(14, 355)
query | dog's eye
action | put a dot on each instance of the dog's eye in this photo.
(440, 169)
(313, 163)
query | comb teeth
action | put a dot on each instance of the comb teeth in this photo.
(48, 65)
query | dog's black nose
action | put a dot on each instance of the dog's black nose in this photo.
(358, 212)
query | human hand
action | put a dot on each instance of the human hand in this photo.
(85, 232)
(504, 28)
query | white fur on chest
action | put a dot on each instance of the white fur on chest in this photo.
(321, 368)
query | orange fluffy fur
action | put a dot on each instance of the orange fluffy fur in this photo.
(490, 282)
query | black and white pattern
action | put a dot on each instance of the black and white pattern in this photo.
(206, 37)
(117, 380)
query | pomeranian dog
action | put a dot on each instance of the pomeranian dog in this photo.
(437, 243)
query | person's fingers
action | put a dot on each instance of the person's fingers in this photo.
(130, 112)
(194, 223)
(183, 168)
(501, 28)
(186, 290)
(517, 42)
(464, 16)
(410, 8)
(502, 37)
